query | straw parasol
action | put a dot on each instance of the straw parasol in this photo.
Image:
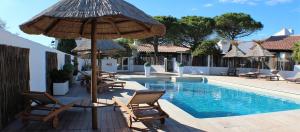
(102, 46)
(235, 52)
(94, 19)
(259, 52)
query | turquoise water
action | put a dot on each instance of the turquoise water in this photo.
(205, 100)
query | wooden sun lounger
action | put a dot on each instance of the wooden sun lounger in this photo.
(113, 82)
(271, 77)
(293, 80)
(107, 74)
(46, 103)
(104, 84)
(142, 106)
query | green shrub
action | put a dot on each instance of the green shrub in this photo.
(75, 72)
(147, 64)
(59, 76)
(68, 68)
(180, 65)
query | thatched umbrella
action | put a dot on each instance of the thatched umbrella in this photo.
(104, 47)
(235, 52)
(259, 52)
(94, 19)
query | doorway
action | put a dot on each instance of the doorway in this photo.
(123, 64)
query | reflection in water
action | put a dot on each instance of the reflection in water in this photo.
(207, 100)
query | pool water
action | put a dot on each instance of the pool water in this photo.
(206, 100)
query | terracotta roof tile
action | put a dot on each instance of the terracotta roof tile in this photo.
(162, 48)
(280, 42)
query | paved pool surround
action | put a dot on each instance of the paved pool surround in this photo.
(274, 121)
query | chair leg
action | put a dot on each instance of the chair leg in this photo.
(115, 105)
(55, 122)
(162, 121)
(25, 122)
(130, 121)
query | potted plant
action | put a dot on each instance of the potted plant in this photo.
(60, 82)
(69, 68)
(180, 69)
(147, 67)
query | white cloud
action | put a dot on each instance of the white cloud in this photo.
(194, 9)
(297, 10)
(249, 2)
(255, 2)
(208, 5)
(275, 2)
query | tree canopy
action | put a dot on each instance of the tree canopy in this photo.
(296, 52)
(171, 36)
(196, 29)
(236, 25)
(127, 44)
(208, 47)
(66, 45)
(172, 31)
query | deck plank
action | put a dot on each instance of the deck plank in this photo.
(79, 119)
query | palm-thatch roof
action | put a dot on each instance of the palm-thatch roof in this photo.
(103, 46)
(259, 51)
(235, 52)
(114, 18)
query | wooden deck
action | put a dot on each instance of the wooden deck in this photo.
(79, 119)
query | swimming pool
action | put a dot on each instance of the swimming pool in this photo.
(206, 100)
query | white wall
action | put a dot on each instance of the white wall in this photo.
(196, 70)
(37, 58)
(109, 65)
(217, 70)
(137, 68)
(154, 68)
(297, 68)
(157, 68)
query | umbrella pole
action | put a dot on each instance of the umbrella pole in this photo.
(94, 76)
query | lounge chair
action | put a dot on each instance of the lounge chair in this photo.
(105, 74)
(116, 84)
(142, 106)
(295, 78)
(43, 102)
(271, 76)
(84, 78)
(104, 84)
(250, 74)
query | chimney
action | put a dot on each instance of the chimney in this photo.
(291, 31)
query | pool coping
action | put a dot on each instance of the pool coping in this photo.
(261, 90)
(258, 90)
(252, 122)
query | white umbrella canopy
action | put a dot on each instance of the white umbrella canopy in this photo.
(94, 19)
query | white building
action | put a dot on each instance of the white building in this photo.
(37, 58)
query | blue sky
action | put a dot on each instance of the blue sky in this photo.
(274, 14)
